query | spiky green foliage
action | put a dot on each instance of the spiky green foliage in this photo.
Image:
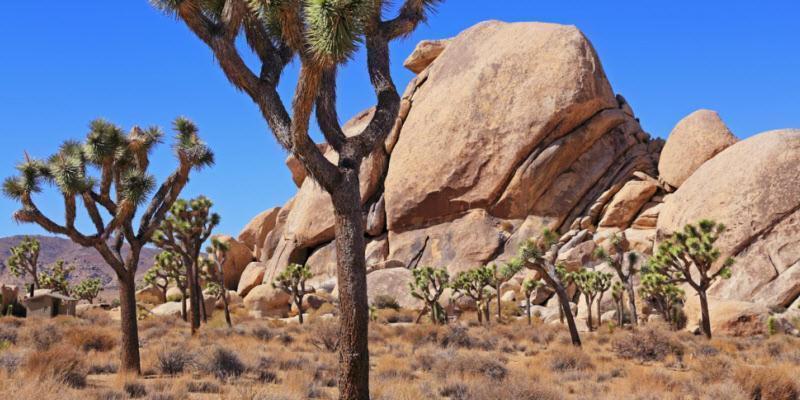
(475, 284)
(428, 285)
(335, 28)
(293, 281)
(24, 260)
(218, 254)
(625, 272)
(502, 274)
(662, 293)
(529, 286)
(168, 268)
(56, 277)
(592, 284)
(690, 256)
(618, 295)
(87, 289)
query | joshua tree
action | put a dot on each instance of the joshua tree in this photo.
(87, 289)
(24, 260)
(183, 232)
(540, 255)
(428, 285)
(293, 281)
(625, 275)
(473, 284)
(122, 187)
(155, 277)
(617, 290)
(528, 287)
(322, 34)
(56, 277)
(218, 254)
(500, 275)
(690, 256)
(169, 267)
(664, 294)
(593, 284)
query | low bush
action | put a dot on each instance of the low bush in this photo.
(767, 383)
(174, 361)
(568, 358)
(646, 345)
(384, 301)
(61, 364)
(224, 364)
(135, 390)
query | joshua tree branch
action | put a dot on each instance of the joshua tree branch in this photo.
(411, 14)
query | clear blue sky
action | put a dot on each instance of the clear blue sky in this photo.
(66, 63)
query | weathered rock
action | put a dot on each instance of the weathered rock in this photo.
(424, 54)
(255, 232)
(728, 317)
(392, 282)
(233, 300)
(174, 294)
(266, 301)
(577, 257)
(237, 258)
(168, 309)
(296, 168)
(759, 204)
(148, 295)
(10, 295)
(648, 217)
(252, 276)
(455, 152)
(694, 140)
(641, 240)
(376, 218)
(462, 244)
(627, 203)
(377, 251)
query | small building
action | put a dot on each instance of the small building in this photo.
(49, 305)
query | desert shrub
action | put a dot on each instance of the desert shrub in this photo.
(109, 394)
(646, 345)
(458, 336)
(392, 316)
(767, 383)
(91, 339)
(493, 369)
(324, 335)
(61, 364)
(102, 369)
(174, 361)
(135, 390)
(10, 361)
(454, 391)
(224, 364)
(8, 333)
(41, 337)
(384, 301)
(262, 333)
(543, 334)
(567, 358)
(522, 389)
(202, 387)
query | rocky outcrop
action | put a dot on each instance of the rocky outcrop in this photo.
(694, 140)
(424, 54)
(266, 301)
(752, 187)
(255, 232)
(394, 283)
(252, 276)
(238, 256)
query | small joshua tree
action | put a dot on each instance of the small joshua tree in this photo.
(592, 284)
(689, 256)
(293, 281)
(540, 255)
(500, 275)
(218, 254)
(528, 287)
(428, 285)
(56, 277)
(663, 293)
(156, 278)
(625, 275)
(24, 261)
(188, 225)
(474, 284)
(169, 268)
(123, 185)
(87, 289)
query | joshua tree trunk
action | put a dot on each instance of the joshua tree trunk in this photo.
(499, 304)
(298, 301)
(129, 344)
(599, 311)
(183, 306)
(479, 307)
(225, 307)
(589, 314)
(632, 302)
(193, 303)
(528, 308)
(566, 310)
(352, 280)
(706, 323)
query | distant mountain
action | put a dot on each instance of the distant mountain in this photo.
(89, 263)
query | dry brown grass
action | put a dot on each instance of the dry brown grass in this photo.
(274, 360)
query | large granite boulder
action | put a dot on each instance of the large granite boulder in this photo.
(237, 258)
(753, 187)
(266, 301)
(694, 140)
(424, 54)
(255, 232)
(394, 283)
(252, 276)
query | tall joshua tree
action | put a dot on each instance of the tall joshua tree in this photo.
(625, 275)
(593, 285)
(540, 255)
(500, 275)
(293, 282)
(123, 186)
(528, 287)
(473, 284)
(87, 289)
(169, 267)
(24, 261)
(218, 254)
(56, 277)
(428, 285)
(689, 256)
(322, 34)
(188, 225)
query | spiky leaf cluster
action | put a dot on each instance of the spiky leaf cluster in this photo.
(188, 224)
(292, 277)
(693, 247)
(56, 277)
(591, 282)
(24, 258)
(530, 285)
(473, 283)
(87, 289)
(336, 27)
(168, 267)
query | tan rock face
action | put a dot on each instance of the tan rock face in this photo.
(754, 189)
(465, 243)
(252, 276)
(693, 141)
(238, 257)
(728, 317)
(255, 232)
(149, 295)
(424, 54)
(455, 150)
(627, 203)
(392, 282)
(266, 301)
